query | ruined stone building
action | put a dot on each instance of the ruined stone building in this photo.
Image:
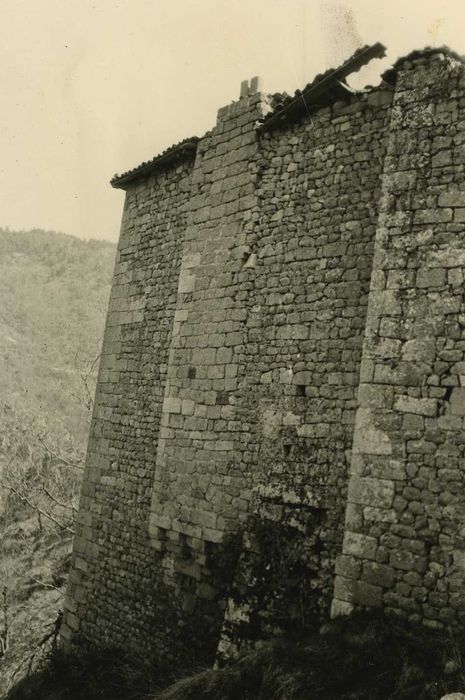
(278, 425)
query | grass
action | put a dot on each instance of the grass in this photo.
(103, 675)
(363, 657)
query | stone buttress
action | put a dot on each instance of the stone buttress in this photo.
(404, 543)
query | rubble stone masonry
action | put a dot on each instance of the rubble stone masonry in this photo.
(404, 545)
(287, 307)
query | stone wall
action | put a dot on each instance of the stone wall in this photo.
(111, 594)
(404, 545)
(318, 191)
(242, 328)
(201, 488)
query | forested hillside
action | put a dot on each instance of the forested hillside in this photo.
(54, 293)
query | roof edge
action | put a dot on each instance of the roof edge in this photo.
(324, 89)
(174, 154)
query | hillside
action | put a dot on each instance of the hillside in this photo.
(54, 293)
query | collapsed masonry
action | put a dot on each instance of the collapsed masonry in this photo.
(281, 397)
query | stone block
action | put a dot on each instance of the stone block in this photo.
(404, 373)
(457, 401)
(186, 283)
(80, 564)
(292, 332)
(340, 607)
(187, 407)
(285, 375)
(375, 396)
(448, 422)
(423, 349)
(304, 378)
(367, 491)
(421, 407)
(454, 198)
(379, 515)
(441, 159)
(379, 98)
(353, 516)
(433, 216)
(378, 574)
(70, 604)
(385, 303)
(190, 260)
(434, 277)
(450, 256)
(367, 368)
(368, 439)
(348, 566)
(171, 405)
(344, 589)
(66, 634)
(291, 419)
(407, 561)
(313, 430)
(459, 559)
(244, 88)
(358, 545)
(455, 277)
(401, 181)
(367, 595)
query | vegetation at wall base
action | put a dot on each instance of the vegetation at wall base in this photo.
(363, 657)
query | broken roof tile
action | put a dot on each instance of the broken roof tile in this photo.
(324, 88)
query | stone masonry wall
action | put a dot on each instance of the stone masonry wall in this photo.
(242, 327)
(201, 487)
(404, 546)
(318, 191)
(112, 593)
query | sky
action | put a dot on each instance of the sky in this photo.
(90, 88)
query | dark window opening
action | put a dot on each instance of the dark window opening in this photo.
(287, 449)
(186, 550)
(222, 398)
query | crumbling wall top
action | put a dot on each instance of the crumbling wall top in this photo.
(323, 90)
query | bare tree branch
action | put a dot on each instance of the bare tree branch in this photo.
(35, 507)
(58, 456)
(68, 506)
(44, 583)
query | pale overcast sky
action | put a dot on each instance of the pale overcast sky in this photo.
(90, 88)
